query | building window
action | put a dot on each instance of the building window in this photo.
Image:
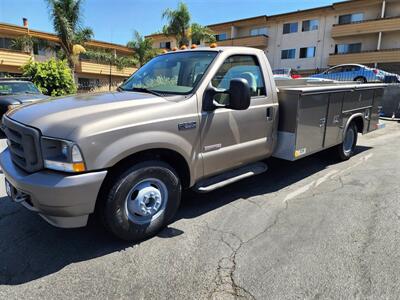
(348, 48)
(351, 18)
(221, 37)
(310, 25)
(307, 52)
(259, 31)
(165, 45)
(5, 43)
(288, 54)
(196, 42)
(290, 28)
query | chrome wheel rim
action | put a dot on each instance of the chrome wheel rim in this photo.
(348, 141)
(146, 201)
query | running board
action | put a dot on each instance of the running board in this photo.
(221, 180)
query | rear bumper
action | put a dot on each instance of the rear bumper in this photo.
(63, 200)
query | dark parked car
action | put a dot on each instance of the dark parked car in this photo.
(16, 92)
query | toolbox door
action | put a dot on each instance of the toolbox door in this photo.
(333, 135)
(311, 123)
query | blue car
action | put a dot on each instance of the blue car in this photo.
(352, 72)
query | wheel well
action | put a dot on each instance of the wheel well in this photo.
(362, 77)
(359, 123)
(173, 158)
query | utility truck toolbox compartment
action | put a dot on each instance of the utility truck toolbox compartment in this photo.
(313, 118)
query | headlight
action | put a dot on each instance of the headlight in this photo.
(62, 155)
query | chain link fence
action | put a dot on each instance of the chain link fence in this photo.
(86, 85)
(357, 73)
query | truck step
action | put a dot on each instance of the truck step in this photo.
(221, 180)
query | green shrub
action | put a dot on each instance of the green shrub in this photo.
(52, 77)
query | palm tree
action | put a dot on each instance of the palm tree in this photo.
(143, 48)
(67, 19)
(200, 33)
(179, 26)
(178, 23)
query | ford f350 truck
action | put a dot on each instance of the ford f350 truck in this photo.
(200, 118)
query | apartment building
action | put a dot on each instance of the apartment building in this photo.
(354, 31)
(89, 73)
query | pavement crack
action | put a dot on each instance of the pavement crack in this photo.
(225, 282)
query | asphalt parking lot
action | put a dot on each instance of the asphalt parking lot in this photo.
(310, 229)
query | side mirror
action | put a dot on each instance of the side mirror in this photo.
(239, 96)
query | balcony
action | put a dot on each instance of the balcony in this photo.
(366, 27)
(366, 57)
(90, 67)
(11, 58)
(258, 41)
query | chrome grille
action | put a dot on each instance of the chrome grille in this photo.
(24, 144)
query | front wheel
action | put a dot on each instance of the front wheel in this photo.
(142, 201)
(346, 149)
(361, 79)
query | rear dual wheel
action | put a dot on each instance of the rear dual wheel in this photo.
(346, 149)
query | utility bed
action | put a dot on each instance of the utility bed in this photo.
(313, 116)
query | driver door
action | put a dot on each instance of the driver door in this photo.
(231, 138)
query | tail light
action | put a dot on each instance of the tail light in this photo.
(296, 76)
(375, 71)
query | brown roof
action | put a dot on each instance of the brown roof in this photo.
(15, 29)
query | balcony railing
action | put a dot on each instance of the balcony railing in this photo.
(366, 27)
(246, 41)
(366, 57)
(92, 67)
(13, 58)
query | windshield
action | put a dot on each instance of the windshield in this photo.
(175, 73)
(11, 88)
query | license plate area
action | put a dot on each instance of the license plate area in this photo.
(14, 193)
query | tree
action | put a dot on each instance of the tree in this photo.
(143, 48)
(52, 77)
(67, 19)
(200, 33)
(179, 26)
(178, 23)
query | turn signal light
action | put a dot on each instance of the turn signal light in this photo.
(194, 46)
(78, 167)
(213, 45)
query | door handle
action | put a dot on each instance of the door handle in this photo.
(269, 114)
(322, 122)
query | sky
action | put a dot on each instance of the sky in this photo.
(115, 20)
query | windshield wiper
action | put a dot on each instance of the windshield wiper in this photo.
(146, 90)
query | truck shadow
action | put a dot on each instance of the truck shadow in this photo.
(280, 174)
(31, 249)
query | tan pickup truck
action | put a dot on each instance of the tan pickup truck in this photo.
(201, 119)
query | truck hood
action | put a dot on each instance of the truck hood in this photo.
(58, 117)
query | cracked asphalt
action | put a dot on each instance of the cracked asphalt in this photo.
(312, 229)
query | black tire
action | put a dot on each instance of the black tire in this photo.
(115, 213)
(346, 149)
(361, 79)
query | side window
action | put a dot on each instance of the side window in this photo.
(334, 70)
(239, 66)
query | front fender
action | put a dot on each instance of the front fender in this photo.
(128, 145)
